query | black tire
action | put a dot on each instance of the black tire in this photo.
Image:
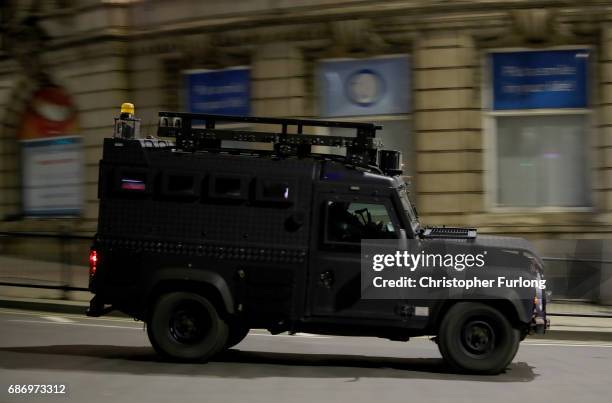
(237, 333)
(186, 326)
(477, 338)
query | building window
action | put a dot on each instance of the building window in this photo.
(539, 123)
(369, 90)
(541, 160)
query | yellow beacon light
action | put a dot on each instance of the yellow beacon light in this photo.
(126, 125)
(128, 108)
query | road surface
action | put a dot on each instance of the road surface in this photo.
(110, 360)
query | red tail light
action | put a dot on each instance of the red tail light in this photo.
(93, 262)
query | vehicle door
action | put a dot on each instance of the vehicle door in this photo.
(334, 281)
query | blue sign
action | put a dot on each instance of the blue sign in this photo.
(52, 181)
(223, 92)
(377, 86)
(540, 79)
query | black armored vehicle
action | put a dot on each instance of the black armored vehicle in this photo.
(203, 237)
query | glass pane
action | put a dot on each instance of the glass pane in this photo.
(541, 161)
(352, 222)
(228, 187)
(180, 183)
(272, 189)
(395, 135)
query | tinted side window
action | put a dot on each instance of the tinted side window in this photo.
(227, 186)
(350, 222)
(180, 186)
(180, 183)
(276, 190)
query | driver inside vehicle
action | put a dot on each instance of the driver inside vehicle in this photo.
(352, 222)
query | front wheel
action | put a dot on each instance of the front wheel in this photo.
(186, 326)
(477, 338)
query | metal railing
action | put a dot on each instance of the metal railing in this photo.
(577, 296)
(65, 269)
(63, 259)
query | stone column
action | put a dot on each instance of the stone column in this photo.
(603, 160)
(96, 77)
(13, 88)
(278, 81)
(447, 126)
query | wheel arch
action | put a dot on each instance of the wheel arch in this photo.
(514, 310)
(203, 282)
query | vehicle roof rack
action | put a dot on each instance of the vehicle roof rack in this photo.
(198, 132)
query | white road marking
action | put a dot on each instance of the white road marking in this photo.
(262, 332)
(41, 314)
(73, 324)
(70, 322)
(297, 335)
(565, 344)
(58, 319)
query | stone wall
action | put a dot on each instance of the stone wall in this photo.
(278, 76)
(105, 54)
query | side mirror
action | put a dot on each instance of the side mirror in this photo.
(403, 239)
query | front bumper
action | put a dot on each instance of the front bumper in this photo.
(539, 322)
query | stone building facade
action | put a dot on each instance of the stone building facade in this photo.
(104, 53)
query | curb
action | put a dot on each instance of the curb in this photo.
(572, 335)
(56, 306)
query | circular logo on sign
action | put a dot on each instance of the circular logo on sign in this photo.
(365, 87)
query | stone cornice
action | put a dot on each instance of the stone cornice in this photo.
(389, 24)
(435, 11)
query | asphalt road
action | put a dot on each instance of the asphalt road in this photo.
(110, 360)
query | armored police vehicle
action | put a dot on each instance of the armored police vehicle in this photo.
(203, 237)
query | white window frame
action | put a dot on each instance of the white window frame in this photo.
(489, 131)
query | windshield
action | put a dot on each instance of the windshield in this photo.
(409, 208)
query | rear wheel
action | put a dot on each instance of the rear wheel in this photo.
(186, 326)
(477, 338)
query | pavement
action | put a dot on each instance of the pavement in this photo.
(109, 359)
(50, 341)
